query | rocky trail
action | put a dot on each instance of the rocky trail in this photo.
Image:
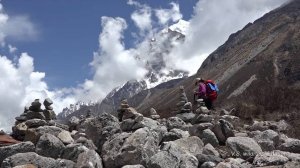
(190, 139)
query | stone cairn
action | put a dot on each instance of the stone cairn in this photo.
(34, 116)
(126, 112)
(201, 108)
(184, 106)
(153, 114)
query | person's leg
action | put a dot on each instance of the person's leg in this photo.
(207, 103)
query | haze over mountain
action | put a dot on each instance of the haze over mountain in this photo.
(21, 83)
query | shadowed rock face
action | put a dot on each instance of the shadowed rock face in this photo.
(257, 70)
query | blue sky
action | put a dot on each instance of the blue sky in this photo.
(68, 33)
(82, 49)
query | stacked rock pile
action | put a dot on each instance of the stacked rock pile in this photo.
(32, 117)
(127, 112)
(153, 114)
(185, 108)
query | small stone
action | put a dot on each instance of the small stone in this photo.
(155, 117)
(48, 102)
(49, 108)
(21, 118)
(153, 111)
(210, 150)
(35, 106)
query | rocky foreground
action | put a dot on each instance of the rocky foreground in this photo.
(204, 139)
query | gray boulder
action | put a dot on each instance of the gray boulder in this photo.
(202, 110)
(89, 159)
(49, 114)
(72, 151)
(133, 166)
(74, 123)
(86, 142)
(290, 156)
(202, 158)
(36, 160)
(175, 134)
(227, 128)
(101, 128)
(33, 134)
(163, 159)
(267, 139)
(209, 137)
(65, 137)
(291, 165)
(35, 106)
(202, 118)
(291, 145)
(21, 118)
(188, 160)
(127, 124)
(269, 159)
(49, 146)
(191, 145)
(234, 163)
(34, 123)
(208, 165)
(217, 130)
(210, 150)
(231, 118)
(22, 147)
(33, 115)
(47, 102)
(175, 122)
(19, 131)
(186, 117)
(129, 149)
(197, 129)
(243, 147)
(152, 111)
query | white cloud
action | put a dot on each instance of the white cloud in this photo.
(212, 23)
(20, 85)
(166, 15)
(12, 49)
(141, 16)
(16, 27)
(142, 19)
(20, 28)
(113, 64)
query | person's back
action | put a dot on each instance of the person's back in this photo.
(211, 93)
